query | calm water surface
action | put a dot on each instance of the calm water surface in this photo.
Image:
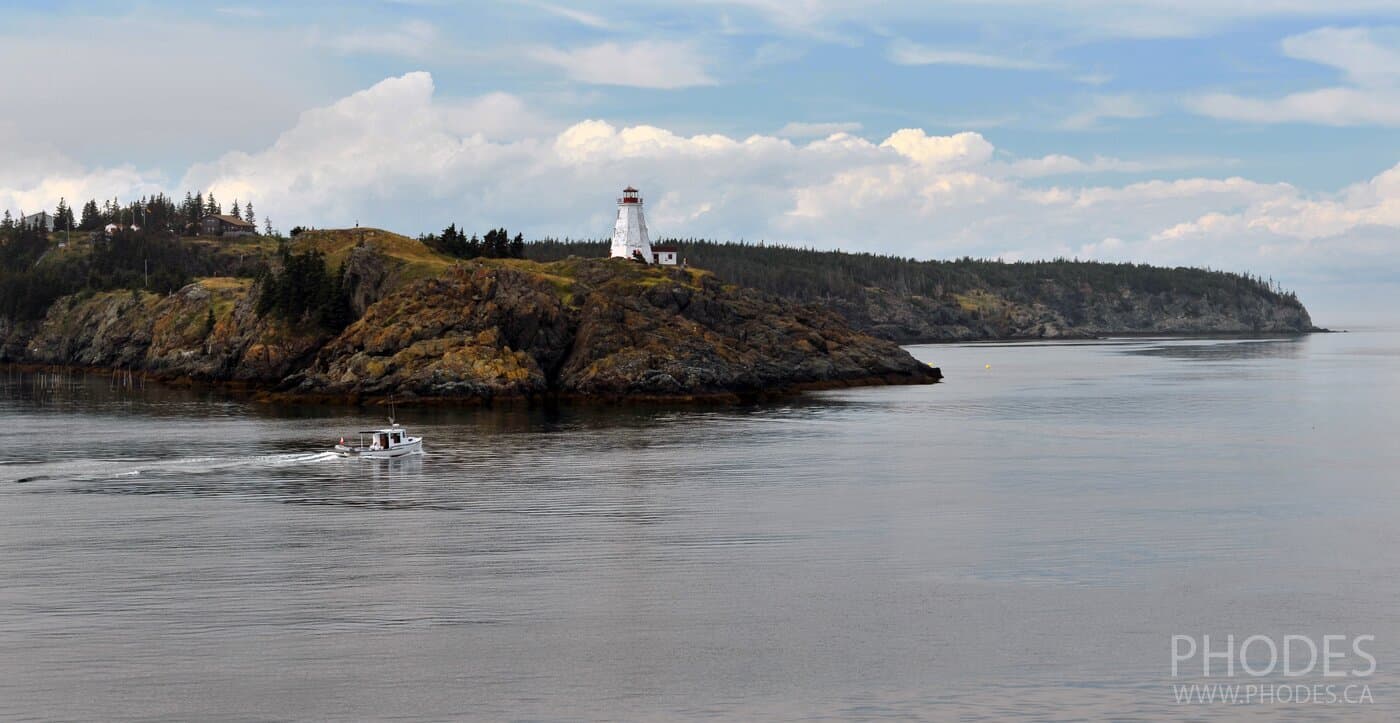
(1019, 541)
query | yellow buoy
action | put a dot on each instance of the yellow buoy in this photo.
(989, 366)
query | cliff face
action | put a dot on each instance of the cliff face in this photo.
(594, 328)
(170, 335)
(597, 328)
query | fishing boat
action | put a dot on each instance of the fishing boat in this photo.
(388, 443)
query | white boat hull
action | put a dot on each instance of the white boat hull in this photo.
(402, 450)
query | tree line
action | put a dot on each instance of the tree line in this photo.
(129, 259)
(157, 212)
(808, 274)
(495, 244)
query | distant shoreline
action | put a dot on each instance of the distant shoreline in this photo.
(1132, 335)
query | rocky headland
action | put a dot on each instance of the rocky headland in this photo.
(433, 329)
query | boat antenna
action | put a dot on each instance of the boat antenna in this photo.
(391, 410)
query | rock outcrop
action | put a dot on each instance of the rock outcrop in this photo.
(596, 329)
(479, 331)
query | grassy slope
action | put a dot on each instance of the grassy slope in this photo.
(418, 260)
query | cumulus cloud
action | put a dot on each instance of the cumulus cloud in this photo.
(955, 151)
(643, 64)
(394, 155)
(33, 177)
(1368, 59)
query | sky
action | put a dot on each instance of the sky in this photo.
(1256, 136)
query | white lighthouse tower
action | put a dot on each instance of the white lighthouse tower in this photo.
(630, 230)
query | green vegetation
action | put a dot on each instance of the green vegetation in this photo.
(33, 275)
(303, 290)
(496, 244)
(811, 275)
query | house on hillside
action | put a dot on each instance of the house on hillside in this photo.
(42, 219)
(219, 225)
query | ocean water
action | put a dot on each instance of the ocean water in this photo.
(1021, 541)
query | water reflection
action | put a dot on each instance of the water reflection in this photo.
(1218, 350)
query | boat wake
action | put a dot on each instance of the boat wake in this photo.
(92, 470)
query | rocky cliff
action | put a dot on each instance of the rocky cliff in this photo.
(476, 331)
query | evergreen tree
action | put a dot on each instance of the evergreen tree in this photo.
(92, 217)
(454, 242)
(473, 247)
(248, 214)
(267, 227)
(62, 216)
(501, 248)
(517, 246)
(212, 207)
(199, 206)
(237, 212)
(8, 221)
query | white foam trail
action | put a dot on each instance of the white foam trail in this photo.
(100, 469)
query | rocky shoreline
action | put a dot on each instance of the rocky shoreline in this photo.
(479, 332)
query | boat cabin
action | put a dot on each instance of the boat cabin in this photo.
(386, 438)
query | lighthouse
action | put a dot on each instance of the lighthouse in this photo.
(630, 230)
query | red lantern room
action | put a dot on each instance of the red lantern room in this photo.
(629, 195)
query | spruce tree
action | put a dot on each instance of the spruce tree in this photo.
(92, 217)
(237, 212)
(248, 214)
(502, 248)
(63, 216)
(517, 246)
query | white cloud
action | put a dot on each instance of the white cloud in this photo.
(149, 88)
(643, 64)
(1368, 56)
(905, 52)
(34, 177)
(1369, 59)
(825, 19)
(955, 151)
(1328, 106)
(408, 39)
(798, 129)
(1104, 107)
(587, 19)
(394, 155)
(1057, 164)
